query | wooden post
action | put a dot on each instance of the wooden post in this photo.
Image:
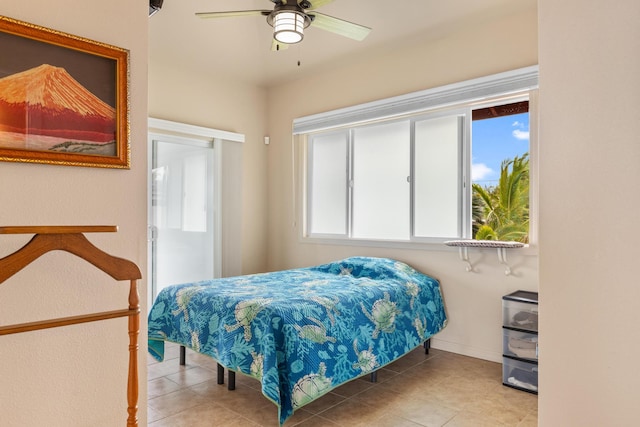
(134, 329)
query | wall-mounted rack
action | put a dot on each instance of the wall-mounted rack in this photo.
(501, 246)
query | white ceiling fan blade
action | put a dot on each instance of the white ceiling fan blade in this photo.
(232, 13)
(318, 3)
(339, 26)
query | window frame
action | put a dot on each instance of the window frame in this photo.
(464, 190)
(460, 97)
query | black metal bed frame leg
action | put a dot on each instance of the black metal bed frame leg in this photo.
(230, 373)
(232, 380)
(374, 376)
(220, 374)
(427, 346)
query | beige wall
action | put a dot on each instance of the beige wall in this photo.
(477, 49)
(187, 95)
(589, 89)
(75, 376)
(590, 155)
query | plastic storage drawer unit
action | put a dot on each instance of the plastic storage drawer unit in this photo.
(520, 340)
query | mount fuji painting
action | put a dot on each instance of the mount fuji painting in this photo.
(64, 99)
(46, 109)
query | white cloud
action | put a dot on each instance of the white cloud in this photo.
(521, 134)
(480, 171)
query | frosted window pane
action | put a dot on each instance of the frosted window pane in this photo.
(183, 191)
(328, 184)
(380, 188)
(437, 188)
(195, 193)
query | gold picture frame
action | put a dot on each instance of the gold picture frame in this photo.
(64, 99)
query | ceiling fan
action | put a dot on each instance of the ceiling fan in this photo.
(289, 18)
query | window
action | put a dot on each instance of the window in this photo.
(389, 171)
(500, 172)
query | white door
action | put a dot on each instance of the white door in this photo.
(182, 212)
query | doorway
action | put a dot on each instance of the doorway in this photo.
(182, 211)
(194, 200)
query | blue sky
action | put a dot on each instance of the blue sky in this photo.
(495, 140)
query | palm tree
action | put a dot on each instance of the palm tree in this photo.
(505, 208)
(477, 212)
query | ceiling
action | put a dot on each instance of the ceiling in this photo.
(241, 46)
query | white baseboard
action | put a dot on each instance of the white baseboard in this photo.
(478, 353)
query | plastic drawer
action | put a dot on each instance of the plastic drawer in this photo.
(520, 374)
(520, 310)
(520, 344)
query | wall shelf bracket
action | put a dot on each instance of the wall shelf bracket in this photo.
(463, 252)
(501, 246)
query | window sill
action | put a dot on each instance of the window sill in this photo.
(436, 245)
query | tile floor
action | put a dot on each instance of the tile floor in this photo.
(439, 389)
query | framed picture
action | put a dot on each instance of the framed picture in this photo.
(63, 98)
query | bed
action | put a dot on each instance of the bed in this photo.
(305, 331)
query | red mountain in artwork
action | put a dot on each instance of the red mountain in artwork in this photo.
(46, 100)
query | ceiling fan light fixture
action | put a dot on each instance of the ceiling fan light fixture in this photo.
(288, 26)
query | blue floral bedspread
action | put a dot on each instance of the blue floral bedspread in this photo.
(302, 332)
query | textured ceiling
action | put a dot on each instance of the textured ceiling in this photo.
(241, 46)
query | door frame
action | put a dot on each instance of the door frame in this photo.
(170, 131)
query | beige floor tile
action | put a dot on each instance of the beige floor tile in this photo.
(438, 389)
(152, 415)
(323, 403)
(410, 360)
(161, 386)
(247, 381)
(262, 414)
(504, 405)
(394, 421)
(412, 385)
(382, 375)
(158, 370)
(531, 420)
(352, 413)
(178, 401)
(172, 351)
(200, 360)
(424, 411)
(267, 416)
(353, 387)
(470, 419)
(193, 376)
(379, 397)
(317, 421)
(207, 414)
(241, 397)
(517, 398)
(458, 392)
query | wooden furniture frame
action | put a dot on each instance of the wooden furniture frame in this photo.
(71, 239)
